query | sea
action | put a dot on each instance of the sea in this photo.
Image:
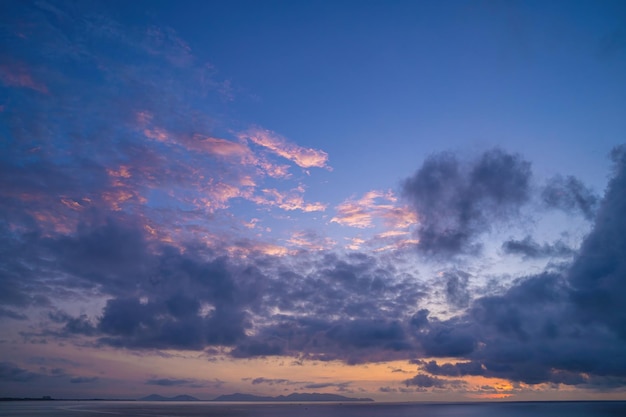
(212, 409)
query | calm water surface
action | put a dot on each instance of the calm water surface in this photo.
(203, 409)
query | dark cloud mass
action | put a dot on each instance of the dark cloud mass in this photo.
(456, 201)
(564, 327)
(598, 275)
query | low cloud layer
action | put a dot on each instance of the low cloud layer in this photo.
(561, 327)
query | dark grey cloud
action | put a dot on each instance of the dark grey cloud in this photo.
(598, 273)
(456, 202)
(340, 385)
(571, 195)
(456, 288)
(562, 327)
(529, 248)
(83, 379)
(426, 381)
(80, 325)
(160, 297)
(451, 338)
(169, 382)
(272, 381)
(13, 373)
(456, 369)
(5, 312)
(349, 307)
(252, 348)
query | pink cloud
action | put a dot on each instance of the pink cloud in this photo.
(303, 157)
(374, 205)
(360, 213)
(290, 200)
(310, 241)
(218, 195)
(238, 154)
(221, 147)
(19, 76)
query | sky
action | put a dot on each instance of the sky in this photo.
(400, 200)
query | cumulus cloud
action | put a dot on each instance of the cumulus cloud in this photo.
(597, 275)
(456, 202)
(555, 327)
(571, 195)
(427, 381)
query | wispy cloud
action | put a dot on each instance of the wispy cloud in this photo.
(18, 75)
(303, 157)
(310, 240)
(374, 205)
(289, 201)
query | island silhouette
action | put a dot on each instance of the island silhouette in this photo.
(238, 397)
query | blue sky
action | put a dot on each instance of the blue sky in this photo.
(404, 200)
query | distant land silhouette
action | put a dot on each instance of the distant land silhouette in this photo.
(238, 397)
(156, 397)
(289, 398)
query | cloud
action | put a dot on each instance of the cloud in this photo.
(349, 308)
(310, 240)
(563, 327)
(5, 312)
(12, 373)
(456, 202)
(342, 386)
(528, 248)
(273, 381)
(456, 289)
(596, 276)
(374, 205)
(170, 382)
(303, 157)
(426, 381)
(151, 154)
(570, 195)
(454, 369)
(121, 200)
(289, 201)
(18, 75)
(83, 379)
